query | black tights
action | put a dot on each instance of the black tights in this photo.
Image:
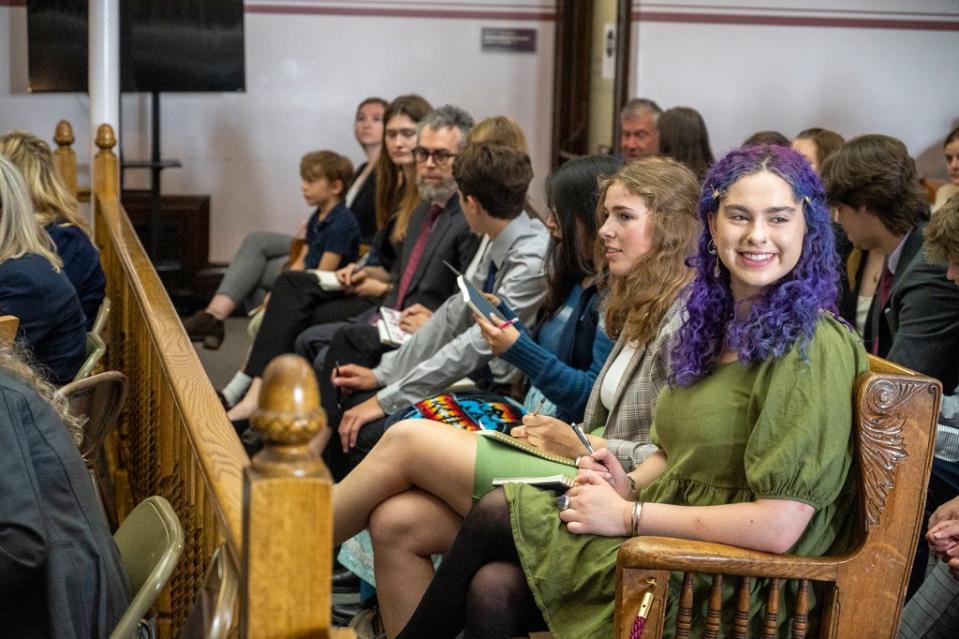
(480, 588)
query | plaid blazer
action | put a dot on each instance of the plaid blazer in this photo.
(630, 418)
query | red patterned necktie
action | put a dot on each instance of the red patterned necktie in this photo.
(417, 254)
(885, 288)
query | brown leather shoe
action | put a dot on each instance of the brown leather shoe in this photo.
(201, 326)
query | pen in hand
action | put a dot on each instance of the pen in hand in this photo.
(539, 407)
(582, 437)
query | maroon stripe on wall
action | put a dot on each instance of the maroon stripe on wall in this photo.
(793, 21)
(538, 16)
(400, 13)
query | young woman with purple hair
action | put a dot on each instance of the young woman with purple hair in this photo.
(753, 430)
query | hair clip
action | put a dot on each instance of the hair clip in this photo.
(716, 194)
(807, 200)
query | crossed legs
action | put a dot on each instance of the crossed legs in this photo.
(432, 457)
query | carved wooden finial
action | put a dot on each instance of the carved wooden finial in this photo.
(106, 139)
(63, 135)
(289, 412)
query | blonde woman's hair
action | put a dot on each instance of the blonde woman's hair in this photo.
(20, 233)
(15, 360)
(637, 302)
(52, 200)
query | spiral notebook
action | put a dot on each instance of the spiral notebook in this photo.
(503, 438)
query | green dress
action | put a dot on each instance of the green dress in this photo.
(776, 429)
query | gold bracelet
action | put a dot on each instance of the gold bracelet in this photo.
(637, 513)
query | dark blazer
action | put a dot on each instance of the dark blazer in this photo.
(364, 205)
(81, 263)
(51, 321)
(919, 326)
(60, 572)
(450, 240)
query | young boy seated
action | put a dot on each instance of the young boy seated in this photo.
(492, 181)
(332, 237)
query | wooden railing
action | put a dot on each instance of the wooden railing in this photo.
(273, 514)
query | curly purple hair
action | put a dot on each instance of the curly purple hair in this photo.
(788, 311)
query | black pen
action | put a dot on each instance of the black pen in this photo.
(582, 437)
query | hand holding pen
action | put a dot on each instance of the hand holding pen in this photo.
(499, 334)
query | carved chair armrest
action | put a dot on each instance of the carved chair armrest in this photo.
(665, 553)
(645, 563)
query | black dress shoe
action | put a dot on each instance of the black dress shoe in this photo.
(203, 327)
(345, 581)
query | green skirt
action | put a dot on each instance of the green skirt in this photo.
(494, 459)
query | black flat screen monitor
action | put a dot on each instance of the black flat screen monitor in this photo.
(165, 45)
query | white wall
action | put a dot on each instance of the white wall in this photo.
(306, 69)
(310, 61)
(749, 77)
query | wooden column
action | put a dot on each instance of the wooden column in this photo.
(64, 158)
(287, 512)
(106, 168)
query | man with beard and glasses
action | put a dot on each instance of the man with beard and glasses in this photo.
(492, 181)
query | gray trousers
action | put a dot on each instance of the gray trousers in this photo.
(254, 267)
(933, 612)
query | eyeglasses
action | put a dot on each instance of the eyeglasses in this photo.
(441, 157)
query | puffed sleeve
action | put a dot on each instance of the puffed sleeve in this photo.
(22, 539)
(800, 447)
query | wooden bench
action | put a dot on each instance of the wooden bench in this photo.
(896, 412)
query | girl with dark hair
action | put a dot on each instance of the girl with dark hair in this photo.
(420, 479)
(683, 137)
(754, 431)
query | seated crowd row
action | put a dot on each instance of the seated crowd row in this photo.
(665, 289)
(696, 318)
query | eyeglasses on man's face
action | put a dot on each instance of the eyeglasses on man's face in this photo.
(441, 157)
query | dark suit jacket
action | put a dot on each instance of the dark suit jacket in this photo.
(60, 572)
(450, 240)
(919, 326)
(364, 205)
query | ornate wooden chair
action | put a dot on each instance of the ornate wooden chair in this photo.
(896, 412)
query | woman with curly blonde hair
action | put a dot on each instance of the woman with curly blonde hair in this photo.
(57, 212)
(418, 482)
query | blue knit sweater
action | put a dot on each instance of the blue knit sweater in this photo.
(565, 378)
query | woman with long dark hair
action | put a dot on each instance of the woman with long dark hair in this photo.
(683, 137)
(745, 456)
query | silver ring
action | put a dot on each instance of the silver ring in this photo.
(562, 502)
(577, 461)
